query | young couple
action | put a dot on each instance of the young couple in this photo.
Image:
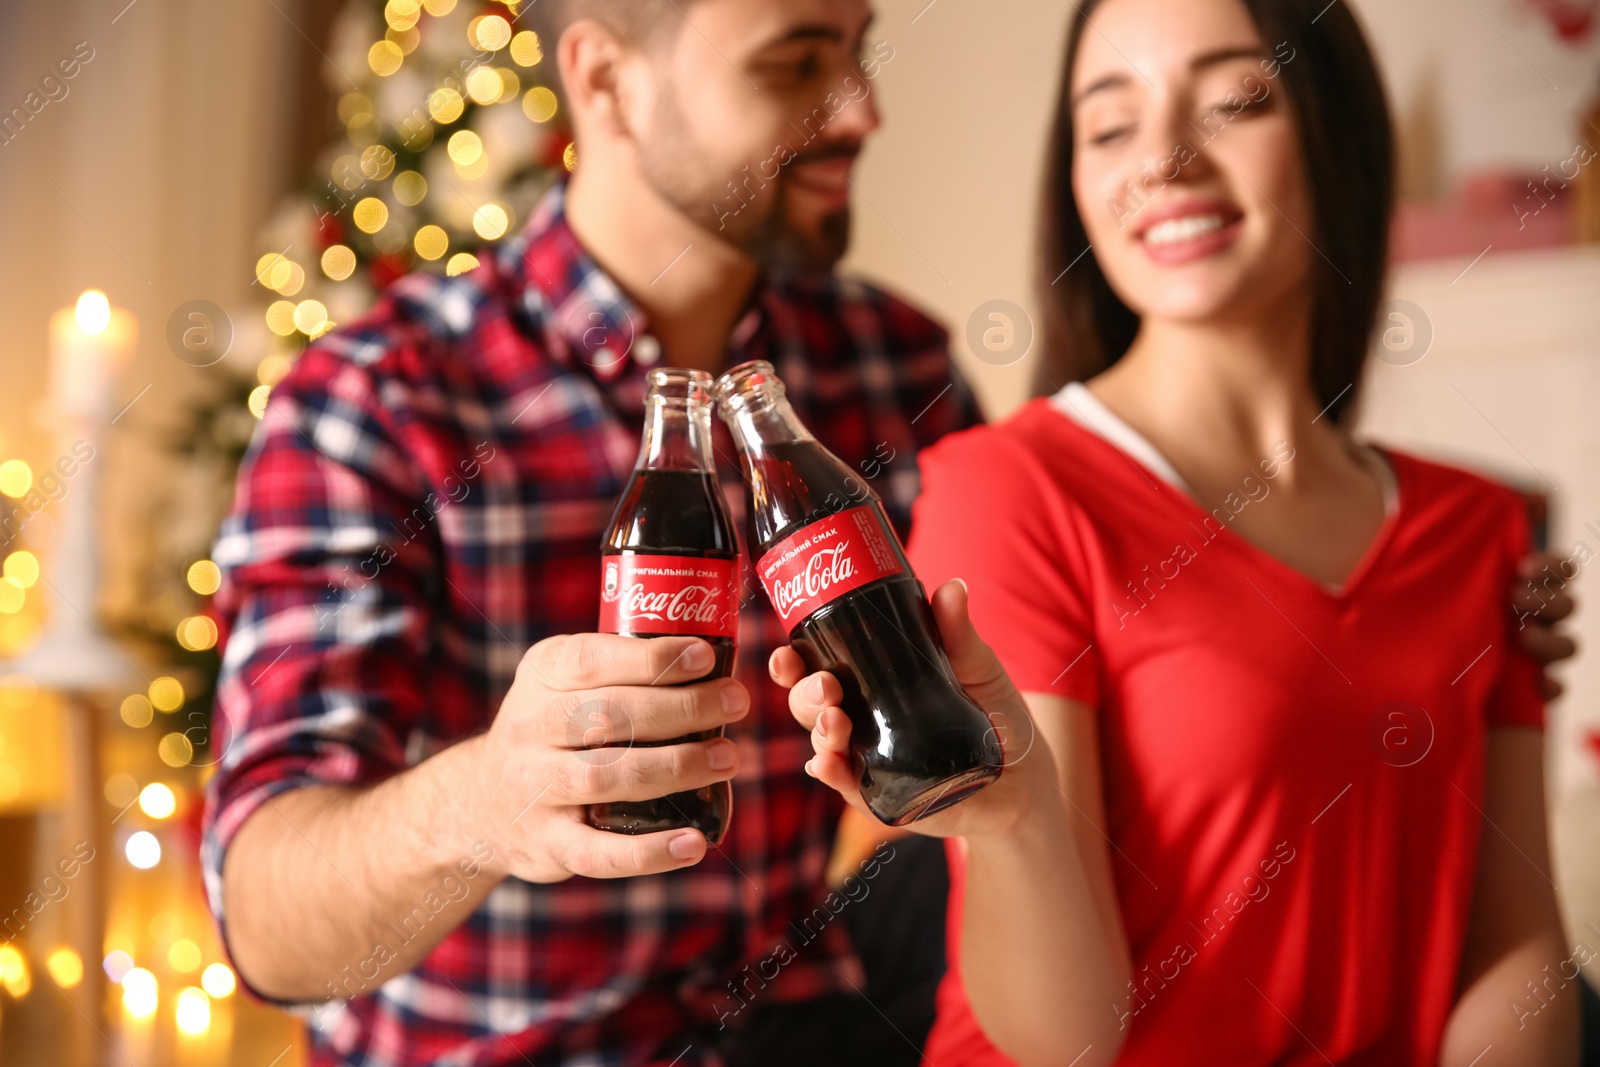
(1273, 790)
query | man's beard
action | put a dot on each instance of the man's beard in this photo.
(744, 209)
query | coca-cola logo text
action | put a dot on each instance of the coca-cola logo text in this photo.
(692, 603)
(826, 568)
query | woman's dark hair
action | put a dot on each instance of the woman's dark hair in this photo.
(1347, 152)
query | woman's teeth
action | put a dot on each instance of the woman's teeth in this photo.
(1176, 231)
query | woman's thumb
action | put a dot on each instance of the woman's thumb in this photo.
(973, 660)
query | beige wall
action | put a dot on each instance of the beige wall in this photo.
(948, 186)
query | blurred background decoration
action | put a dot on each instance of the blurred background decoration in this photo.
(191, 191)
(441, 134)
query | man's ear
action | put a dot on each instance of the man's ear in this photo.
(593, 63)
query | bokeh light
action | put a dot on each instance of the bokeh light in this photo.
(175, 750)
(197, 633)
(489, 32)
(117, 964)
(65, 967)
(369, 215)
(483, 85)
(338, 263)
(218, 980)
(490, 221)
(431, 242)
(540, 104)
(22, 569)
(385, 57)
(257, 403)
(204, 577)
(137, 711)
(140, 993)
(143, 850)
(445, 105)
(184, 956)
(157, 800)
(464, 147)
(460, 263)
(194, 1011)
(166, 693)
(525, 50)
(16, 478)
(280, 316)
(410, 187)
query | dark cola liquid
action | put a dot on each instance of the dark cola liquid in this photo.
(920, 743)
(675, 513)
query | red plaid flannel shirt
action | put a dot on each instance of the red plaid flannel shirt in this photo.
(423, 501)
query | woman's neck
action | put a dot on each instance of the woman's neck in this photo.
(1239, 387)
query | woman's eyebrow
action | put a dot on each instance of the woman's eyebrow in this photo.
(1222, 55)
(1109, 81)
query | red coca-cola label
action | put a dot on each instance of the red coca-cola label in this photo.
(827, 559)
(642, 593)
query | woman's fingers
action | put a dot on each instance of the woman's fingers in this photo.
(834, 770)
(785, 666)
(832, 731)
(811, 694)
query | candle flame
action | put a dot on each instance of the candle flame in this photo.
(94, 311)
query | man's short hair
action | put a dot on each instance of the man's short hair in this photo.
(638, 22)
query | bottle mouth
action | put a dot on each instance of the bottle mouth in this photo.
(680, 384)
(748, 380)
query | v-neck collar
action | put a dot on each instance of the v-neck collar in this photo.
(1081, 406)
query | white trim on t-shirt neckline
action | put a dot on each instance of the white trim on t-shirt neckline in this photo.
(1081, 405)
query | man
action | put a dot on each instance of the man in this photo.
(411, 573)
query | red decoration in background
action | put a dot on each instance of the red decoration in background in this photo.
(1594, 744)
(1571, 19)
(330, 231)
(387, 268)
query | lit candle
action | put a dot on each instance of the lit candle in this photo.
(89, 346)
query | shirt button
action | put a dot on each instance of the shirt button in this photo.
(647, 350)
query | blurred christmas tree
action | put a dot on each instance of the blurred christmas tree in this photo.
(450, 137)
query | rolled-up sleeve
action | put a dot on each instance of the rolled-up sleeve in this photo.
(327, 556)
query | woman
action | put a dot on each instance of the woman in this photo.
(1285, 802)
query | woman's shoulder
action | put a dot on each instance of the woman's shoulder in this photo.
(1441, 494)
(1036, 441)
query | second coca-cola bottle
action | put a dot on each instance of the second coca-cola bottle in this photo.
(837, 575)
(669, 565)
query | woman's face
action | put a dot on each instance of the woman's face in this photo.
(1186, 159)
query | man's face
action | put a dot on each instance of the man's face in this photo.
(759, 110)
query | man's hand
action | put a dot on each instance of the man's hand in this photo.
(1540, 602)
(542, 760)
(1029, 773)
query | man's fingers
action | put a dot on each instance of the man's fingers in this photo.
(609, 775)
(1546, 646)
(624, 715)
(1544, 607)
(588, 661)
(581, 849)
(810, 695)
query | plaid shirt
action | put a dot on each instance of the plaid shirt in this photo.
(424, 500)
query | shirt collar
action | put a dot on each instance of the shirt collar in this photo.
(586, 319)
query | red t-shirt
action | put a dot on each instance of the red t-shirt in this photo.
(1292, 774)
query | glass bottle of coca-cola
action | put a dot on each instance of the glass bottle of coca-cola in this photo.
(669, 565)
(837, 575)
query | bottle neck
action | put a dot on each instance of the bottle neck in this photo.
(677, 435)
(751, 401)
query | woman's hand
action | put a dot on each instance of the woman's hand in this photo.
(1028, 772)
